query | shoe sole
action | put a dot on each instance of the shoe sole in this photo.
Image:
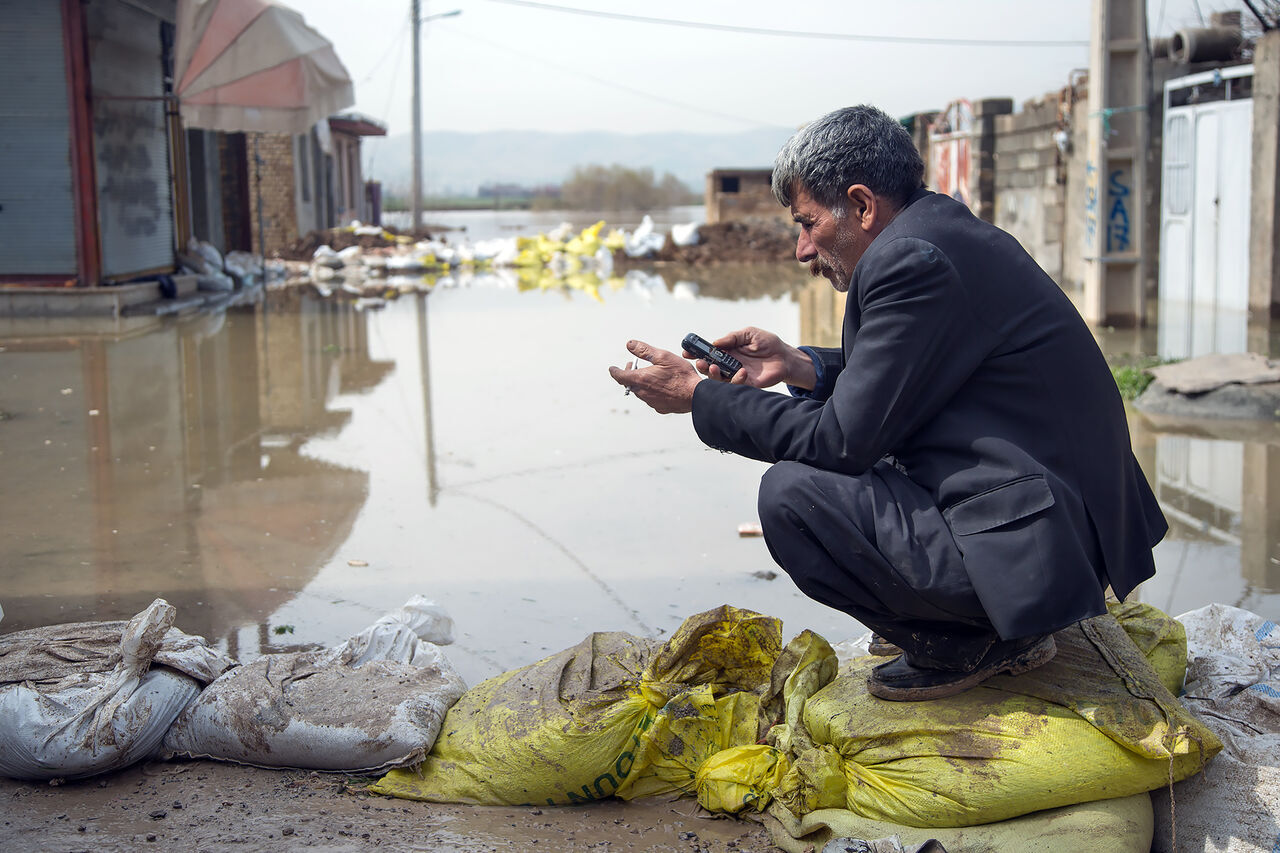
(1035, 656)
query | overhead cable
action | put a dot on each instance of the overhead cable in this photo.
(761, 31)
(701, 109)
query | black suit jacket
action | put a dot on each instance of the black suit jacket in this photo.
(964, 361)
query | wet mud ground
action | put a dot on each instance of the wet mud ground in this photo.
(204, 805)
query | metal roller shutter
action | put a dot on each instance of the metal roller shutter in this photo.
(131, 142)
(37, 209)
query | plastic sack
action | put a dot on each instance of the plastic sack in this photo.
(1121, 825)
(644, 241)
(373, 702)
(685, 235)
(1094, 723)
(615, 715)
(81, 699)
(1233, 683)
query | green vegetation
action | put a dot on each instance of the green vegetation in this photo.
(587, 188)
(620, 188)
(1132, 376)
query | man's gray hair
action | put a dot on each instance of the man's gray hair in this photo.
(854, 145)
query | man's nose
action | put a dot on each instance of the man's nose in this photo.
(805, 251)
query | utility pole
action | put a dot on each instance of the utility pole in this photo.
(417, 23)
(1116, 170)
(417, 123)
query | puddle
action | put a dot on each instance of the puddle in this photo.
(284, 474)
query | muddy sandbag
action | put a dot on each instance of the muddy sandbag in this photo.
(1094, 723)
(87, 698)
(1121, 825)
(615, 715)
(373, 702)
(1233, 684)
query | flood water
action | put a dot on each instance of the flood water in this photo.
(286, 473)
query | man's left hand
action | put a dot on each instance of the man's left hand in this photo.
(666, 386)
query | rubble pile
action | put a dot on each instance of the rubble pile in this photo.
(756, 241)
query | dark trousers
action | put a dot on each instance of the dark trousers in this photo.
(874, 546)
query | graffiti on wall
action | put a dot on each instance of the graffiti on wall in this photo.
(1118, 220)
(1111, 226)
(1091, 208)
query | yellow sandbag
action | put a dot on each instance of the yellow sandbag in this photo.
(1094, 723)
(1122, 825)
(740, 777)
(1161, 639)
(615, 715)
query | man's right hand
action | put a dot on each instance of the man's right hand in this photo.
(766, 360)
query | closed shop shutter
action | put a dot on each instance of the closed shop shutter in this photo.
(37, 210)
(131, 141)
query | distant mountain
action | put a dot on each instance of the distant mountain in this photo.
(457, 163)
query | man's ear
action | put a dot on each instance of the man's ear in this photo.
(864, 207)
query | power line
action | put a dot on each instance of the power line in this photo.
(698, 108)
(731, 28)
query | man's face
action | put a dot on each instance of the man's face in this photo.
(830, 245)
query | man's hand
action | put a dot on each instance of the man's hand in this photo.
(766, 360)
(666, 385)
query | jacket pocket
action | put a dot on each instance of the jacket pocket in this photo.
(996, 507)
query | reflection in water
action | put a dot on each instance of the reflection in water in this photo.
(1219, 487)
(166, 462)
(302, 463)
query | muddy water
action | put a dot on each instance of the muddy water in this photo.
(285, 474)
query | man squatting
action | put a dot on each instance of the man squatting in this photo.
(957, 475)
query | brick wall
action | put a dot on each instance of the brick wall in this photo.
(273, 179)
(734, 195)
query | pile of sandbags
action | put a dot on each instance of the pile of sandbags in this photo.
(81, 699)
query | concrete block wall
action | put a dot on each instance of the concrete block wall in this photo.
(982, 163)
(275, 181)
(1029, 176)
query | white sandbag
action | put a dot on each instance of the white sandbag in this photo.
(685, 235)
(208, 252)
(215, 282)
(82, 699)
(374, 702)
(1233, 685)
(644, 240)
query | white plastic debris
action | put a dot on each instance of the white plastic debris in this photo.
(1233, 685)
(82, 699)
(373, 702)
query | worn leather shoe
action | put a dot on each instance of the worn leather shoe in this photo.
(901, 681)
(880, 647)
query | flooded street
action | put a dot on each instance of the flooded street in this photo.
(285, 474)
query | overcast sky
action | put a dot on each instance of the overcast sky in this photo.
(512, 64)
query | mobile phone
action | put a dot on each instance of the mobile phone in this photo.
(698, 346)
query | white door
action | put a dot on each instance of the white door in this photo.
(1204, 217)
